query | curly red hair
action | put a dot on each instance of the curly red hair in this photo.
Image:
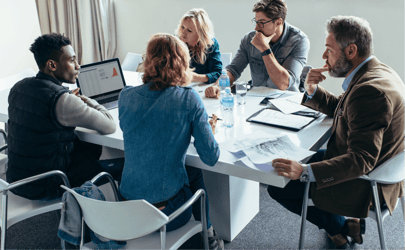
(167, 62)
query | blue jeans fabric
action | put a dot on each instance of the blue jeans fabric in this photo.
(291, 197)
(196, 182)
(173, 204)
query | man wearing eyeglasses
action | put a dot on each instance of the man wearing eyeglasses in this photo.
(275, 50)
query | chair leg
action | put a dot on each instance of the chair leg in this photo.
(377, 208)
(4, 219)
(163, 237)
(403, 205)
(204, 220)
(304, 215)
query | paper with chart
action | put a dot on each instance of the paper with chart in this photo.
(281, 147)
(247, 141)
(264, 92)
(258, 149)
(289, 105)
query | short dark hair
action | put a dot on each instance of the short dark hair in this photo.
(352, 30)
(47, 47)
(272, 8)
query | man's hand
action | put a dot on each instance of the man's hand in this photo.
(314, 76)
(76, 92)
(213, 122)
(212, 92)
(262, 42)
(288, 168)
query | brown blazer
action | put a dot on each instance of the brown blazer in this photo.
(368, 129)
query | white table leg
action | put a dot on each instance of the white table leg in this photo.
(234, 202)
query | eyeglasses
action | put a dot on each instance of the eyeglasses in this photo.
(261, 24)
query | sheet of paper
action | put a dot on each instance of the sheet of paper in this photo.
(289, 105)
(264, 92)
(274, 117)
(199, 89)
(281, 147)
(247, 141)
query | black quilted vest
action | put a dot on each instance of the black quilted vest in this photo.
(37, 142)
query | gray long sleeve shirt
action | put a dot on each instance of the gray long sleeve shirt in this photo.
(74, 111)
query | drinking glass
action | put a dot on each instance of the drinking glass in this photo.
(241, 89)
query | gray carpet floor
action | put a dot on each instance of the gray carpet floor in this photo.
(272, 228)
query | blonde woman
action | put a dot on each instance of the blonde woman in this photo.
(196, 30)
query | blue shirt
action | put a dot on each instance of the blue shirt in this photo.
(157, 127)
(213, 64)
(291, 52)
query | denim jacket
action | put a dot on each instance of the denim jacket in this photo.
(213, 64)
(71, 218)
(157, 127)
(291, 52)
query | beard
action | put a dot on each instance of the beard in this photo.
(341, 67)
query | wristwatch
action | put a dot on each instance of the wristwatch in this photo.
(305, 174)
(266, 52)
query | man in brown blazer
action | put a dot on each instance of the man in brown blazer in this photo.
(368, 129)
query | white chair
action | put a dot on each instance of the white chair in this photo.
(226, 59)
(138, 222)
(15, 208)
(390, 172)
(8, 82)
(131, 62)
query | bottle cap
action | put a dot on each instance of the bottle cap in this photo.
(224, 72)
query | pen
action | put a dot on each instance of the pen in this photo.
(219, 119)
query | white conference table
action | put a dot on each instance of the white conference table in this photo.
(233, 189)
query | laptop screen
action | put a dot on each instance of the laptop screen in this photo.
(101, 78)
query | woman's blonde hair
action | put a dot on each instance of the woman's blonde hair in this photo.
(167, 62)
(205, 32)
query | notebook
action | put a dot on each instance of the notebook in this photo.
(102, 81)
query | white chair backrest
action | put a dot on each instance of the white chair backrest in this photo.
(131, 62)
(120, 220)
(8, 82)
(3, 185)
(226, 59)
(390, 172)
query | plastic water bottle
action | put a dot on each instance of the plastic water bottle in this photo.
(227, 105)
(223, 82)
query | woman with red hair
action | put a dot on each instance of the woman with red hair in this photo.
(158, 119)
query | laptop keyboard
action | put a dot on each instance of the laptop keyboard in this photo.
(109, 99)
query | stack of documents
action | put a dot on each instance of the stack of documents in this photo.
(264, 92)
(257, 150)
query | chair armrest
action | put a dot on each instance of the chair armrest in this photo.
(390, 172)
(188, 203)
(110, 180)
(4, 147)
(35, 178)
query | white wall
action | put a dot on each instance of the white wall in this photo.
(137, 20)
(19, 26)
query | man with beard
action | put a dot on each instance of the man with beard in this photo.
(275, 51)
(368, 129)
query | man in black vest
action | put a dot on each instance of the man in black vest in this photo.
(43, 115)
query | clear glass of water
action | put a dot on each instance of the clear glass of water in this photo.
(241, 89)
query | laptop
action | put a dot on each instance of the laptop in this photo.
(102, 81)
